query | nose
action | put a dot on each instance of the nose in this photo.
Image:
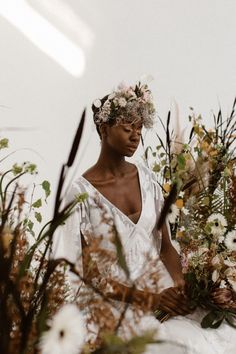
(135, 136)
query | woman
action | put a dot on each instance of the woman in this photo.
(128, 195)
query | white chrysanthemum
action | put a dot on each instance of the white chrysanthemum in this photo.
(230, 240)
(67, 332)
(217, 223)
(173, 214)
(97, 103)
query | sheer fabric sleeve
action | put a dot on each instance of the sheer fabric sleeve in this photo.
(67, 239)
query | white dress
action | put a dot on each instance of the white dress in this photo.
(141, 244)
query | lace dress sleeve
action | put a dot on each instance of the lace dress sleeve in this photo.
(67, 239)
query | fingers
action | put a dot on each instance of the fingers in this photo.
(174, 302)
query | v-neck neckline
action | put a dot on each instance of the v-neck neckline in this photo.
(114, 206)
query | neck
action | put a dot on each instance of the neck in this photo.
(111, 162)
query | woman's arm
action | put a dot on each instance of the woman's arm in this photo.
(171, 259)
(169, 300)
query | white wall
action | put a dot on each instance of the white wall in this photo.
(188, 46)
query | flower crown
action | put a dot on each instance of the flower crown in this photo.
(126, 104)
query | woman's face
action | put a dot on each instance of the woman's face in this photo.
(124, 138)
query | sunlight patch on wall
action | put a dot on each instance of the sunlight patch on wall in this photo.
(45, 36)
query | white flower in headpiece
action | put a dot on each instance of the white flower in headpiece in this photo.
(97, 103)
(122, 102)
(67, 332)
(217, 223)
(230, 240)
(173, 214)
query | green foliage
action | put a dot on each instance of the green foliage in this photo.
(37, 203)
(3, 143)
(46, 188)
(38, 216)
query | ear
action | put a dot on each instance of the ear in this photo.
(103, 130)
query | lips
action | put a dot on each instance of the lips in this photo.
(133, 147)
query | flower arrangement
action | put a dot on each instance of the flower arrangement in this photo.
(202, 219)
(32, 286)
(127, 103)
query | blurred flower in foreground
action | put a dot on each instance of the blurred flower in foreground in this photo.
(67, 332)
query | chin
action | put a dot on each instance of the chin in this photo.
(129, 154)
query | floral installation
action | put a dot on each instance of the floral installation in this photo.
(202, 219)
(127, 103)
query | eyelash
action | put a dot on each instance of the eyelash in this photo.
(130, 130)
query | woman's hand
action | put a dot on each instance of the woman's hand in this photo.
(173, 301)
(180, 283)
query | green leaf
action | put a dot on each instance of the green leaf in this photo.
(46, 188)
(37, 204)
(38, 216)
(213, 319)
(3, 143)
(231, 319)
(181, 161)
(30, 225)
(156, 168)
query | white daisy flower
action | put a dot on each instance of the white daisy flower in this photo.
(97, 103)
(217, 223)
(173, 214)
(181, 194)
(230, 240)
(67, 332)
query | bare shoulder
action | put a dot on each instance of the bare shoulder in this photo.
(91, 174)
